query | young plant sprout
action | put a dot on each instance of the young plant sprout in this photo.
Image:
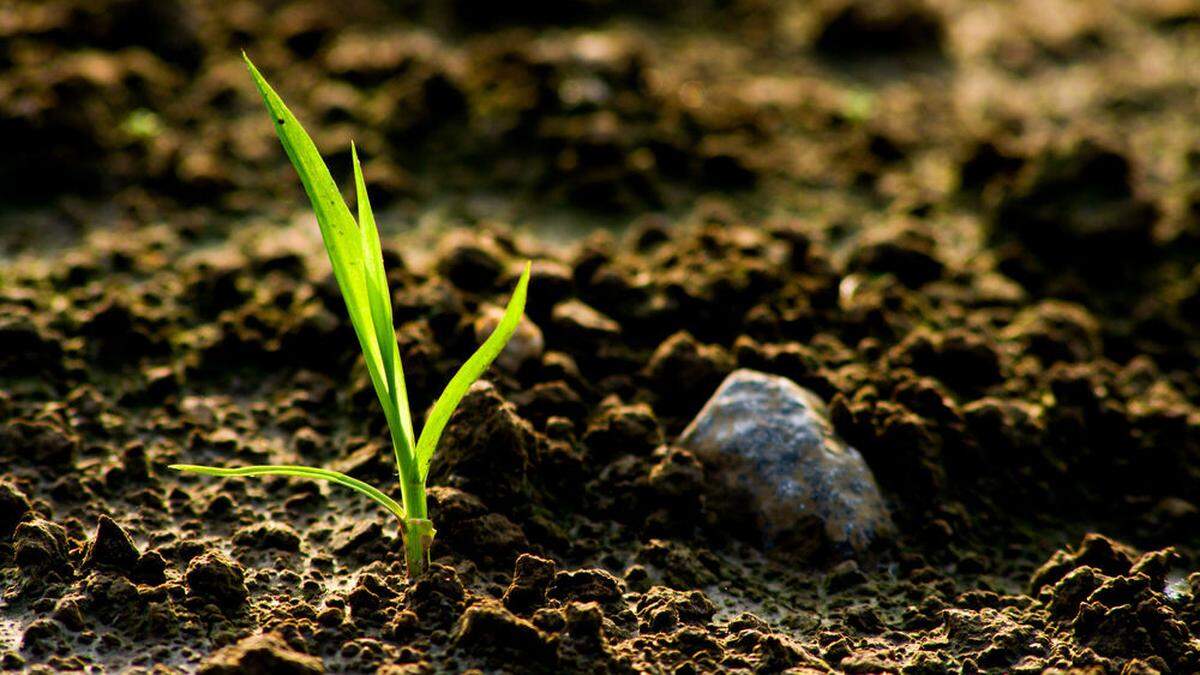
(354, 251)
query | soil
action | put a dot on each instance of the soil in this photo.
(972, 228)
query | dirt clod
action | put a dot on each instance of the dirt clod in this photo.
(110, 547)
(531, 578)
(268, 536)
(856, 27)
(40, 547)
(213, 576)
(261, 655)
(488, 629)
(13, 507)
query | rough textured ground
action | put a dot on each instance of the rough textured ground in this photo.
(973, 228)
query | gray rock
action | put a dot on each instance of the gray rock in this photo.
(770, 446)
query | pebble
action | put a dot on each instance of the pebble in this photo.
(770, 439)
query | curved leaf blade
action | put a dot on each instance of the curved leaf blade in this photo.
(380, 304)
(298, 472)
(338, 230)
(468, 373)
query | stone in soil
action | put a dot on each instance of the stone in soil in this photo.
(769, 441)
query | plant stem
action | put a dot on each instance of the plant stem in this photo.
(418, 530)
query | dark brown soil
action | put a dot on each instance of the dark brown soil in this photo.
(972, 228)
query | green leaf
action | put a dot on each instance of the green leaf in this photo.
(298, 472)
(468, 373)
(380, 301)
(338, 230)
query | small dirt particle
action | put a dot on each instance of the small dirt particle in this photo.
(678, 475)
(680, 565)
(845, 574)
(683, 371)
(150, 568)
(906, 251)
(472, 265)
(490, 538)
(1107, 556)
(68, 613)
(44, 636)
(585, 626)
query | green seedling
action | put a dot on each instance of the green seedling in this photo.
(354, 251)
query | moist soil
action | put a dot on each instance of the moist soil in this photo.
(972, 228)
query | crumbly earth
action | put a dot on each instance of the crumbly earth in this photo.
(972, 228)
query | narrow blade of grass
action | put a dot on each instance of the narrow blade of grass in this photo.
(298, 472)
(468, 373)
(380, 301)
(338, 229)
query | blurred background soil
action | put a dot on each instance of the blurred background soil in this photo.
(973, 228)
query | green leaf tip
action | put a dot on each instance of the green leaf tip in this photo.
(359, 275)
(379, 302)
(471, 371)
